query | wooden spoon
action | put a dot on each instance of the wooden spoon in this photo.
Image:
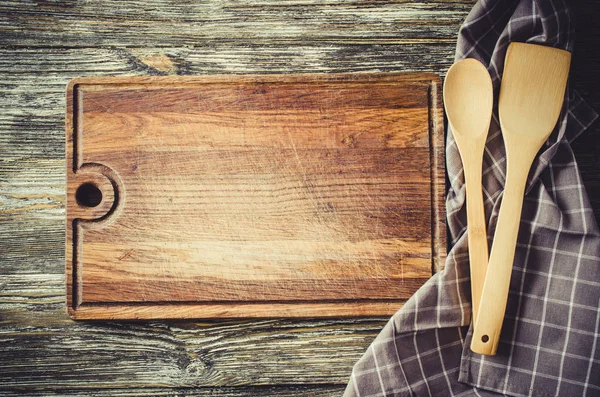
(469, 97)
(531, 98)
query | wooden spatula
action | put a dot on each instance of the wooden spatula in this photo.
(469, 97)
(531, 98)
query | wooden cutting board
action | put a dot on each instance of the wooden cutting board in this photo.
(252, 196)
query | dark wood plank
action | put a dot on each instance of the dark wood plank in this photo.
(163, 23)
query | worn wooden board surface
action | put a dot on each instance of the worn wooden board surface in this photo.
(272, 391)
(252, 196)
(45, 44)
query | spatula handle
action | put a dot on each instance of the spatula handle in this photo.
(494, 296)
(476, 230)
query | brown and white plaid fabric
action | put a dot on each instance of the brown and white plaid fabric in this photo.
(550, 342)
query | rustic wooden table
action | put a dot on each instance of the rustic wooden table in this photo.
(44, 44)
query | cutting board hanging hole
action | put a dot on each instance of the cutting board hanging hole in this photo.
(96, 194)
(88, 195)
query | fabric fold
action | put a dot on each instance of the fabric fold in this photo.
(550, 343)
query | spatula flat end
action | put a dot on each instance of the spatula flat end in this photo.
(533, 89)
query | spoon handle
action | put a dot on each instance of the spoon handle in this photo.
(476, 231)
(494, 296)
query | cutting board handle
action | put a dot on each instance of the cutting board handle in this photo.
(98, 194)
(494, 297)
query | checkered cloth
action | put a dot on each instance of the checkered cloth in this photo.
(550, 344)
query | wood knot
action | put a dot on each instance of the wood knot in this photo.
(159, 62)
(348, 140)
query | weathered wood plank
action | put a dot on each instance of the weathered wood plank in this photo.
(168, 23)
(49, 67)
(269, 391)
(44, 347)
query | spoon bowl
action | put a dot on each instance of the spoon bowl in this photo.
(468, 98)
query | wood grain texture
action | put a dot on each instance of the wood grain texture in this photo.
(255, 22)
(252, 196)
(45, 44)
